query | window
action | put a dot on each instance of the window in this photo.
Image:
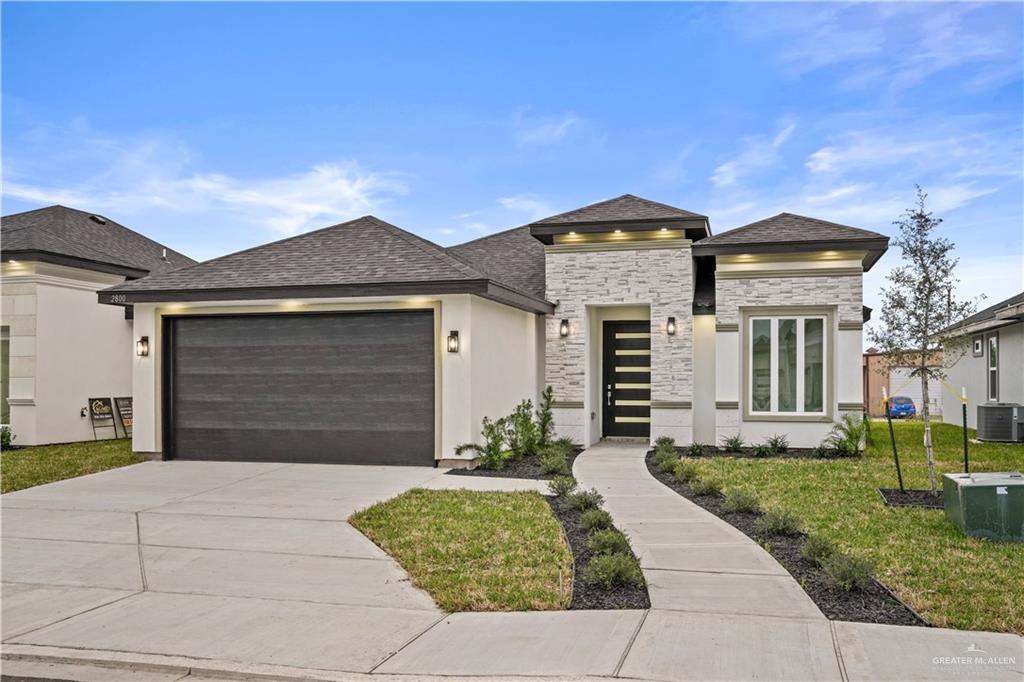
(993, 367)
(787, 365)
(978, 346)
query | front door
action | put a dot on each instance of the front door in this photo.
(627, 379)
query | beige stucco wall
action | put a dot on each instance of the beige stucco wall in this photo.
(65, 348)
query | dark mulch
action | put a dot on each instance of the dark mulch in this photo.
(874, 604)
(524, 467)
(586, 596)
(748, 453)
(894, 497)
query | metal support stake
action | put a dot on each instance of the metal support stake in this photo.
(963, 400)
(892, 437)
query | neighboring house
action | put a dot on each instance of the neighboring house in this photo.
(879, 373)
(991, 367)
(60, 347)
(365, 343)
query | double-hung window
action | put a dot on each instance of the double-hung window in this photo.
(992, 378)
(787, 364)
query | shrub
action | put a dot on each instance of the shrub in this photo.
(6, 437)
(560, 486)
(552, 460)
(697, 449)
(817, 549)
(846, 572)
(521, 432)
(849, 435)
(778, 443)
(595, 519)
(668, 464)
(585, 499)
(732, 444)
(763, 451)
(545, 419)
(741, 501)
(777, 523)
(608, 541)
(685, 471)
(706, 486)
(564, 444)
(610, 570)
(665, 442)
(492, 453)
(822, 452)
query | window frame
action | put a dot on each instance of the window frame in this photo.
(829, 346)
(978, 346)
(991, 372)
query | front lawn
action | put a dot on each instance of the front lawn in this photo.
(27, 467)
(475, 551)
(952, 580)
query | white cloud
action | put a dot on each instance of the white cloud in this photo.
(533, 208)
(759, 152)
(546, 130)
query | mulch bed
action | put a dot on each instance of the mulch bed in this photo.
(894, 497)
(586, 596)
(748, 453)
(874, 604)
(524, 467)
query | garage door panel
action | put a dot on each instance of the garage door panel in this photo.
(340, 387)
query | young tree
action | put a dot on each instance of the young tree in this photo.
(920, 305)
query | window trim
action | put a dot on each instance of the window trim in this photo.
(978, 346)
(830, 343)
(989, 369)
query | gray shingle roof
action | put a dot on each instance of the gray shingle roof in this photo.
(79, 235)
(512, 256)
(620, 209)
(989, 313)
(788, 228)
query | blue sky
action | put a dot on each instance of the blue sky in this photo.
(215, 127)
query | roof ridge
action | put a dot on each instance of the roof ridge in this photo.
(125, 228)
(488, 236)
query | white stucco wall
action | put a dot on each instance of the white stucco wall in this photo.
(65, 349)
(704, 367)
(967, 371)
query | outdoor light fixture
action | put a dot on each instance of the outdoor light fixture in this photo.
(671, 326)
(563, 328)
(453, 341)
(142, 347)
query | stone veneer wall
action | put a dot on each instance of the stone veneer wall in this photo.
(843, 291)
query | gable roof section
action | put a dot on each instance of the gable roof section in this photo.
(68, 236)
(362, 257)
(788, 233)
(625, 208)
(512, 256)
(1005, 312)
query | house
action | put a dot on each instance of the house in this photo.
(59, 347)
(880, 373)
(364, 343)
(991, 365)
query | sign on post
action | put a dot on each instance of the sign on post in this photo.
(101, 415)
(124, 413)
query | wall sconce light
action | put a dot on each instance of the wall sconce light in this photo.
(142, 347)
(453, 341)
(563, 328)
(671, 326)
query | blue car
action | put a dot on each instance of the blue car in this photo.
(902, 407)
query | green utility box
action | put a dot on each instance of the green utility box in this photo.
(987, 505)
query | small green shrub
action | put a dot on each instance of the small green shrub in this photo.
(610, 570)
(545, 418)
(665, 441)
(664, 452)
(564, 444)
(763, 451)
(560, 486)
(697, 449)
(521, 431)
(668, 464)
(817, 548)
(732, 444)
(608, 541)
(685, 471)
(777, 523)
(6, 437)
(552, 460)
(741, 501)
(849, 435)
(706, 486)
(847, 573)
(583, 500)
(822, 452)
(778, 443)
(492, 453)
(595, 519)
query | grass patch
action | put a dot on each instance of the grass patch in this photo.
(475, 551)
(952, 580)
(32, 466)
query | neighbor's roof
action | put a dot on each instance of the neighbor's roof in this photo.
(1005, 312)
(512, 256)
(67, 236)
(625, 208)
(362, 257)
(791, 232)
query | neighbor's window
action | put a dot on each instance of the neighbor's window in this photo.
(993, 367)
(787, 364)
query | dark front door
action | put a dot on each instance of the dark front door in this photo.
(627, 379)
(347, 388)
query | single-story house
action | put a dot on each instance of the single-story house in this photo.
(991, 367)
(362, 342)
(58, 346)
(881, 373)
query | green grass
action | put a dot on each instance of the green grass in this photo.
(952, 580)
(475, 551)
(27, 467)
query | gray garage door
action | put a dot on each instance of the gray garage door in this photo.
(352, 388)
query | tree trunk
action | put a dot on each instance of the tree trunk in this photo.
(926, 415)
